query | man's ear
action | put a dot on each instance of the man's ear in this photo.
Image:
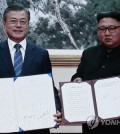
(4, 23)
(4, 28)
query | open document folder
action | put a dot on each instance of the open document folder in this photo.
(95, 98)
(26, 103)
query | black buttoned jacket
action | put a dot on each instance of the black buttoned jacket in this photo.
(98, 62)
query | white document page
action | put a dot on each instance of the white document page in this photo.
(27, 103)
(77, 101)
(8, 118)
(108, 97)
(35, 102)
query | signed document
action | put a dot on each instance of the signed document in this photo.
(26, 103)
(99, 98)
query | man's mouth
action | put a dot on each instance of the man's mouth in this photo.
(17, 31)
(108, 39)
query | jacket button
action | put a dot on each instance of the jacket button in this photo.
(103, 66)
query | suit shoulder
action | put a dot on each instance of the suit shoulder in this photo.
(3, 43)
(93, 49)
(38, 48)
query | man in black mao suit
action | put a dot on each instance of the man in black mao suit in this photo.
(35, 59)
(102, 61)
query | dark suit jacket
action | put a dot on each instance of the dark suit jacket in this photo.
(99, 62)
(36, 61)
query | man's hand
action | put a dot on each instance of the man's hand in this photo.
(58, 119)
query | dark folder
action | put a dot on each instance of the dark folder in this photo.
(84, 101)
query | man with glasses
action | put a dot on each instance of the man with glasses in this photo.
(102, 61)
(19, 57)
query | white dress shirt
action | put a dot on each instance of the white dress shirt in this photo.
(11, 45)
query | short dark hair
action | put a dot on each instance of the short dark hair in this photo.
(112, 14)
(15, 7)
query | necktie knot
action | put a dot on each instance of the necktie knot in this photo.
(17, 47)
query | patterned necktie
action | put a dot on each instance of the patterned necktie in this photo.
(18, 60)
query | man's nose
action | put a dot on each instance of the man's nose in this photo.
(107, 32)
(18, 24)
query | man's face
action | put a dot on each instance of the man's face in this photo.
(16, 25)
(109, 32)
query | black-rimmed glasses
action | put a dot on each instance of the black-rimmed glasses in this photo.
(111, 29)
(15, 22)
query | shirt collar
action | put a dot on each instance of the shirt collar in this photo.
(11, 43)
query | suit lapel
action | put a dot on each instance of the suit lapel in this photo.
(29, 56)
(6, 58)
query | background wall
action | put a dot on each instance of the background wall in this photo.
(64, 64)
(62, 74)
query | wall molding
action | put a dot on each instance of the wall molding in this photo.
(62, 57)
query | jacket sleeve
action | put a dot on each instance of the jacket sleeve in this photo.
(80, 68)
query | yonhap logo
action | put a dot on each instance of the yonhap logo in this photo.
(92, 121)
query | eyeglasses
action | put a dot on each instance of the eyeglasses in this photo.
(15, 22)
(111, 29)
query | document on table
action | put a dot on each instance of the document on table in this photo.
(27, 103)
(90, 98)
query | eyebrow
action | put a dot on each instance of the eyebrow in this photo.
(18, 19)
(108, 26)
